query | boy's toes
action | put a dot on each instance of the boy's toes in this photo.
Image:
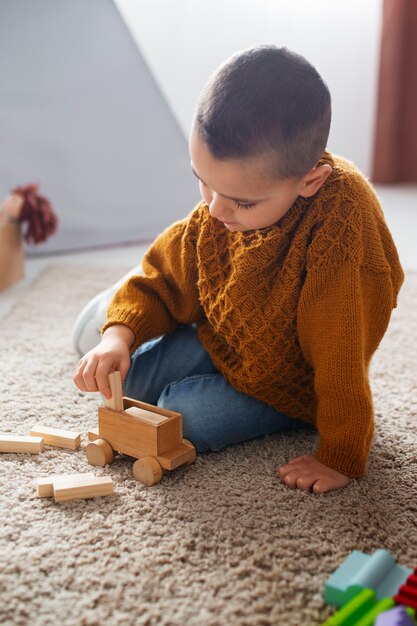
(294, 480)
(305, 482)
(322, 485)
(288, 477)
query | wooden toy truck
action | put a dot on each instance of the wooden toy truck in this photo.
(150, 434)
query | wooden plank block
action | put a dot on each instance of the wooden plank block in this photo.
(57, 437)
(116, 400)
(128, 402)
(148, 416)
(65, 490)
(16, 443)
(44, 484)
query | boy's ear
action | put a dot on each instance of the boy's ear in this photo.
(314, 180)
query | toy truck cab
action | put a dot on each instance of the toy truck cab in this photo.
(149, 433)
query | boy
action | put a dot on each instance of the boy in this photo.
(261, 310)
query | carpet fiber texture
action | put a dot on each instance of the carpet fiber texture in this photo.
(220, 542)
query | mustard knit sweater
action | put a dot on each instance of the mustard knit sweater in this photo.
(290, 314)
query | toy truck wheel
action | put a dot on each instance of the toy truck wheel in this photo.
(194, 456)
(147, 470)
(99, 453)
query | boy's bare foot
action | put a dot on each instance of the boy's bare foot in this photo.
(306, 472)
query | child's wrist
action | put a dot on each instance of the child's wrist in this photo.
(120, 331)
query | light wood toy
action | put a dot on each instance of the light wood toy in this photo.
(17, 443)
(57, 436)
(150, 434)
(66, 487)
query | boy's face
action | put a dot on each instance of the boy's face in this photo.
(237, 192)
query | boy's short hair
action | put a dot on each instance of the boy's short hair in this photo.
(266, 101)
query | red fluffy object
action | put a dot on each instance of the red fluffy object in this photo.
(37, 212)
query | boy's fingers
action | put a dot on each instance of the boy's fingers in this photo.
(79, 382)
(78, 378)
(102, 381)
(124, 367)
(89, 376)
(92, 372)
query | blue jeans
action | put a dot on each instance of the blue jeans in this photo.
(175, 372)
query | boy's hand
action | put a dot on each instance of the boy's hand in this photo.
(306, 472)
(111, 354)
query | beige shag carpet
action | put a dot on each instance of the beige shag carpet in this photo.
(218, 543)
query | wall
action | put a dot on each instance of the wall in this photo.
(81, 114)
(185, 40)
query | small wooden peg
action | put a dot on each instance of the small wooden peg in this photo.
(116, 400)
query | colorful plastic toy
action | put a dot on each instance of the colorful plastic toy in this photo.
(407, 593)
(378, 571)
(361, 610)
(396, 617)
(361, 587)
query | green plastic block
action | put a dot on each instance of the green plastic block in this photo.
(369, 619)
(354, 610)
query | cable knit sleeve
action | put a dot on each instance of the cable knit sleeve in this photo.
(166, 295)
(343, 314)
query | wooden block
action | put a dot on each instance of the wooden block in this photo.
(44, 485)
(16, 443)
(65, 490)
(146, 416)
(57, 437)
(116, 400)
(129, 402)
